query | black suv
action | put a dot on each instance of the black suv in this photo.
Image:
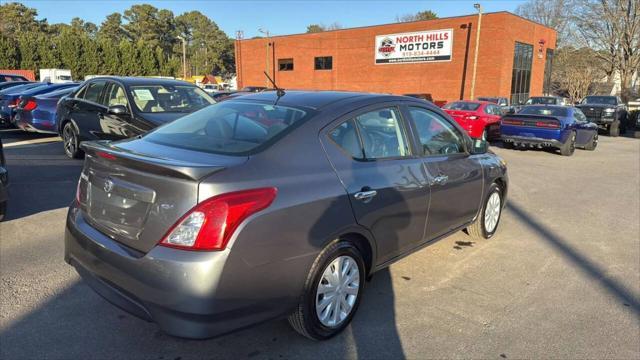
(608, 112)
(114, 108)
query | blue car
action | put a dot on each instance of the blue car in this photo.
(10, 98)
(545, 126)
(38, 113)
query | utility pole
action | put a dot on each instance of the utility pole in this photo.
(266, 32)
(475, 53)
(184, 57)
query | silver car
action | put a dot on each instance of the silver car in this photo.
(272, 205)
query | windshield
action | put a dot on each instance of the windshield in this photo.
(59, 92)
(544, 110)
(169, 98)
(64, 77)
(462, 105)
(609, 100)
(541, 100)
(234, 128)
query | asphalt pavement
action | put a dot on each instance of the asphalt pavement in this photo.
(561, 278)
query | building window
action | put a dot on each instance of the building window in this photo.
(521, 76)
(548, 66)
(324, 63)
(285, 64)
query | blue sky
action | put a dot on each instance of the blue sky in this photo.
(279, 17)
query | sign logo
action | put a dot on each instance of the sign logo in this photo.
(387, 47)
(414, 47)
(108, 186)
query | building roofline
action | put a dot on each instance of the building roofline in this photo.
(396, 23)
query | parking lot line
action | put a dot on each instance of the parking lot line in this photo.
(33, 141)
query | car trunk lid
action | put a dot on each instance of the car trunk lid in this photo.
(134, 195)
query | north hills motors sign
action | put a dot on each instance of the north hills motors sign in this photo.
(414, 47)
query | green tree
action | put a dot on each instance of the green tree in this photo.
(128, 58)
(147, 23)
(111, 28)
(10, 57)
(419, 16)
(315, 28)
(110, 53)
(28, 48)
(148, 64)
(15, 19)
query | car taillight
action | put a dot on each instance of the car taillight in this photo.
(550, 125)
(512, 122)
(30, 105)
(210, 225)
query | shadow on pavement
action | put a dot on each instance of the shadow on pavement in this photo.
(584, 264)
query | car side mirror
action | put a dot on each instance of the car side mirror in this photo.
(479, 146)
(118, 110)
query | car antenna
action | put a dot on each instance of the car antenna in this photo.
(279, 92)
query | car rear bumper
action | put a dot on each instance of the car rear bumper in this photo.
(188, 294)
(35, 125)
(531, 141)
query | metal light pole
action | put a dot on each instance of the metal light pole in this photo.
(184, 57)
(475, 53)
(266, 32)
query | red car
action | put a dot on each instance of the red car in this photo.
(481, 119)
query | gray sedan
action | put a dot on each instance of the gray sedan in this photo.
(272, 205)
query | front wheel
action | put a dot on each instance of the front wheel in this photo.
(487, 223)
(71, 141)
(3, 210)
(593, 143)
(614, 129)
(332, 292)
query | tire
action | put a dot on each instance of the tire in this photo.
(593, 143)
(482, 228)
(507, 145)
(305, 319)
(3, 210)
(71, 141)
(568, 148)
(614, 129)
(485, 135)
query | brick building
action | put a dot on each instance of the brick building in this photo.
(434, 57)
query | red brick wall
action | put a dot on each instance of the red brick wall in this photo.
(26, 73)
(353, 52)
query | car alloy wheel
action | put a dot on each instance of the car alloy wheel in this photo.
(337, 291)
(70, 141)
(492, 212)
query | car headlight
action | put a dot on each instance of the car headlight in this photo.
(609, 111)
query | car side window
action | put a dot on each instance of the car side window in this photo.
(578, 115)
(382, 134)
(437, 135)
(116, 96)
(345, 136)
(92, 93)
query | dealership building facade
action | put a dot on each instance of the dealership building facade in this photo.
(436, 57)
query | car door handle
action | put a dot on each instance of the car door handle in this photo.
(440, 180)
(365, 195)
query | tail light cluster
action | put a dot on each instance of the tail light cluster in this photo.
(210, 225)
(547, 124)
(30, 105)
(512, 122)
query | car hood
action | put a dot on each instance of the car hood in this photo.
(162, 118)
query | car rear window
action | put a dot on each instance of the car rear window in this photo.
(462, 105)
(230, 127)
(544, 110)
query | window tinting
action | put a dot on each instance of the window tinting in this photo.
(544, 110)
(92, 93)
(346, 136)
(521, 75)
(169, 98)
(285, 64)
(437, 135)
(324, 63)
(234, 128)
(382, 134)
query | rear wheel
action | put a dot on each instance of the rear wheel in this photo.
(614, 129)
(332, 292)
(507, 145)
(3, 210)
(71, 141)
(487, 223)
(569, 146)
(593, 143)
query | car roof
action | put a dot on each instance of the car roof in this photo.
(133, 80)
(481, 102)
(313, 99)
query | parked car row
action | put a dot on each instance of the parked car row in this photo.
(12, 98)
